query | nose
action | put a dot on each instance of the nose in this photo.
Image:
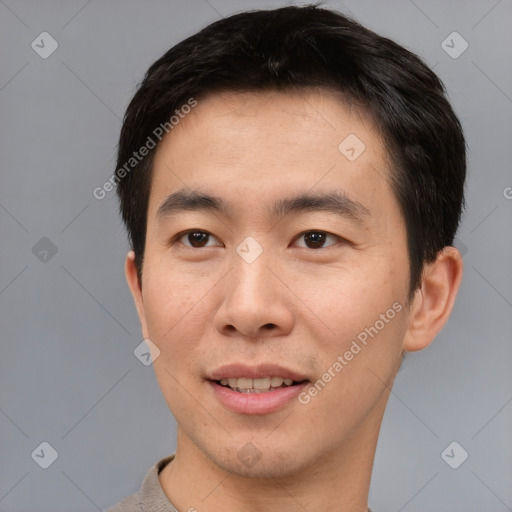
(256, 303)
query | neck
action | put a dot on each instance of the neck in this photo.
(337, 481)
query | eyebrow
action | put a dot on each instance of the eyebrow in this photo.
(336, 202)
(190, 201)
(333, 202)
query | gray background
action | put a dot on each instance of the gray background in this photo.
(68, 375)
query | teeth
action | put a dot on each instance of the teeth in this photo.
(275, 382)
(261, 383)
(245, 385)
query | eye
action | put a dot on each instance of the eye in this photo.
(196, 239)
(317, 239)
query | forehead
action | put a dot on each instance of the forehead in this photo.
(272, 144)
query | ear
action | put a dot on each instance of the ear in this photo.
(433, 301)
(134, 284)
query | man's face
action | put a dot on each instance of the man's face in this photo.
(256, 284)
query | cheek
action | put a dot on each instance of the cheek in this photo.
(348, 299)
(358, 316)
(356, 363)
(176, 319)
(174, 311)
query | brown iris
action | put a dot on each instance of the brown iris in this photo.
(315, 239)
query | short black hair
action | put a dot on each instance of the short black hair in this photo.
(301, 48)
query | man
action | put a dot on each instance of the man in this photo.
(291, 184)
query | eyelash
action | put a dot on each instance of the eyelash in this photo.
(179, 236)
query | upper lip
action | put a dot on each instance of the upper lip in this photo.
(241, 370)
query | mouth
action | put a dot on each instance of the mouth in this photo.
(261, 385)
(258, 389)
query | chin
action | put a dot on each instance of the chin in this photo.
(257, 459)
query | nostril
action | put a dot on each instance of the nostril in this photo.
(269, 326)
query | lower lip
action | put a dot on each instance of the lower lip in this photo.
(256, 403)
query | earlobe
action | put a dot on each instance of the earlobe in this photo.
(134, 284)
(433, 302)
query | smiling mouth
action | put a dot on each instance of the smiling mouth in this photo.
(261, 385)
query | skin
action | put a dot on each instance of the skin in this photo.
(297, 305)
